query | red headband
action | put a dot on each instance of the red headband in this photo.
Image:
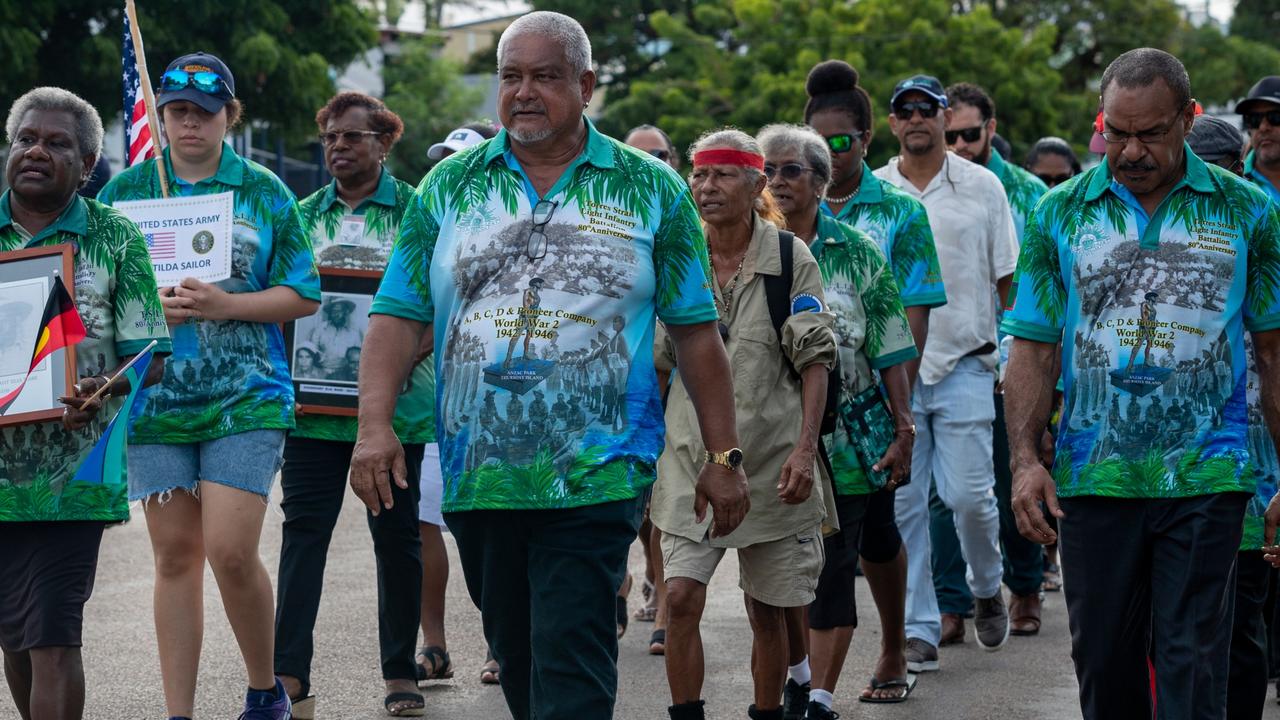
(728, 157)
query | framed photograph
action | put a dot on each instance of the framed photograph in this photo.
(26, 279)
(324, 348)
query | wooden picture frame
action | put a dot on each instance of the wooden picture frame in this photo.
(321, 362)
(26, 279)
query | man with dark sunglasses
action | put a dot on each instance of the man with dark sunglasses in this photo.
(555, 232)
(952, 399)
(1261, 114)
(971, 135)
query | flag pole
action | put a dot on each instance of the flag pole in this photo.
(119, 372)
(148, 98)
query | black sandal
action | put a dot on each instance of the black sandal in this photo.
(399, 697)
(441, 667)
(658, 642)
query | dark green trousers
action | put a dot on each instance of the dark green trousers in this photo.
(546, 583)
(1023, 559)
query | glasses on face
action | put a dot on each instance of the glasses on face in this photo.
(1146, 137)
(350, 137)
(969, 135)
(536, 246)
(204, 81)
(1052, 180)
(1253, 120)
(790, 171)
(843, 142)
(660, 154)
(927, 108)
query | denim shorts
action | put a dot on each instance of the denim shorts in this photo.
(245, 461)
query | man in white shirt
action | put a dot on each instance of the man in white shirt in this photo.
(952, 400)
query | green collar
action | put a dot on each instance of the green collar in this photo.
(230, 168)
(1197, 177)
(997, 164)
(826, 232)
(74, 219)
(597, 152)
(384, 194)
(1249, 162)
(869, 190)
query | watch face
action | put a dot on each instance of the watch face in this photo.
(735, 457)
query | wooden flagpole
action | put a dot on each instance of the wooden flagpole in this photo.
(119, 372)
(148, 97)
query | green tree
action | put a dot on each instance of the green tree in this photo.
(1255, 20)
(281, 51)
(432, 99)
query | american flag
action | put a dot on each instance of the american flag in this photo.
(137, 133)
(162, 245)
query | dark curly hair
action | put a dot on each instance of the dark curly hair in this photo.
(381, 119)
(833, 85)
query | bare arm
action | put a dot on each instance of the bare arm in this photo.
(197, 299)
(897, 457)
(796, 479)
(918, 319)
(1266, 353)
(1002, 289)
(390, 348)
(1028, 402)
(704, 369)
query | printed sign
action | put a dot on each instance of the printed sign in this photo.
(188, 237)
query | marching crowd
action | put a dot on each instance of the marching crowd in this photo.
(949, 375)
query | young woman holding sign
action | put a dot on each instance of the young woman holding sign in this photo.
(206, 444)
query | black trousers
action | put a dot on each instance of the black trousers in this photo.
(314, 484)
(546, 583)
(1247, 682)
(1151, 576)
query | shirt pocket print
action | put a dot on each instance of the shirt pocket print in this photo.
(756, 363)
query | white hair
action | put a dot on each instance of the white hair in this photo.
(54, 99)
(802, 140)
(563, 29)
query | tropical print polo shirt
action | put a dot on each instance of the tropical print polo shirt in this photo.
(548, 397)
(1151, 311)
(323, 215)
(115, 294)
(871, 328)
(1252, 172)
(227, 376)
(899, 225)
(1022, 188)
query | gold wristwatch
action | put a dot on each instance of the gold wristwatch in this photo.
(731, 459)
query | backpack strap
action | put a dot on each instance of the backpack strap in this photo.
(777, 288)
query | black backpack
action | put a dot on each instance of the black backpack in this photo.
(777, 290)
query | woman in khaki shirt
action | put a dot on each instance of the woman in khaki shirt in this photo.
(779, 544)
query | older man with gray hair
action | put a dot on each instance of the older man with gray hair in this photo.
(543, 515)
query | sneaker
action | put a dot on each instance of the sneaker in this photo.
(795, 698)
(991, 622)
(260, 705)
(921, 656)
(818, 711)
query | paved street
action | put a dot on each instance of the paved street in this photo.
(1030, 678)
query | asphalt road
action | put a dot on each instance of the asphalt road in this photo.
(1030, 678)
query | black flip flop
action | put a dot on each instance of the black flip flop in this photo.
(441, 666)
(909, 683)
(397, 697)
(659, 638)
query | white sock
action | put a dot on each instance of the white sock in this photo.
(800, 671)
(822, 697)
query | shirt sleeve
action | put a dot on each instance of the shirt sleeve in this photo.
(680, 264)
(1004, 234)
(405, 291)
(1037, 298)
(138, 316)
(915, 259)
(1262, 294)
(808, 336)
(888, 339)
(293, 264)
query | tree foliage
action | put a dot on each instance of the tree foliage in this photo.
(281, 51)
(432, 99)
(692, 65)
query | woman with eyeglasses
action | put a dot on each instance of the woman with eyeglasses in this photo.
(1052, 160)
(353, 223)
(780, 366)
(874, 341)
(203, 455)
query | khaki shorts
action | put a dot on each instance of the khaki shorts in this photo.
(782, 573)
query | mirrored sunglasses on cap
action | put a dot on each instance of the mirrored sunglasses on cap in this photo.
(205, 81)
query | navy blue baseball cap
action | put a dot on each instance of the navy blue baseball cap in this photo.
(926, 84)
(1266, 90)
(200, 78)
